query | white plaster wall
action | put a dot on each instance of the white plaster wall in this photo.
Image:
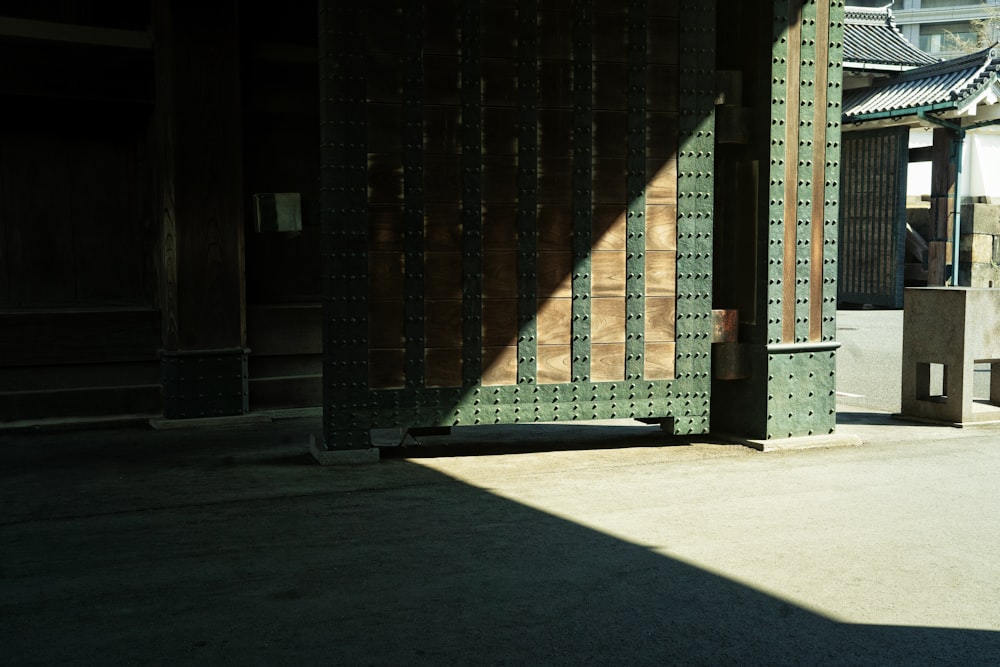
(918, 175)
(981, 166)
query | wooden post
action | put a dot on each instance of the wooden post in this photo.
(197, 137)
(943, 176)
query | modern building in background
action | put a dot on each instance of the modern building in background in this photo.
(920, 146)
(944, 28)
(948, 28)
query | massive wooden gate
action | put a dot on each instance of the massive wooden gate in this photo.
(517, 212)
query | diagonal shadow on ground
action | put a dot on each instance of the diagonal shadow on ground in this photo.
(197, 557)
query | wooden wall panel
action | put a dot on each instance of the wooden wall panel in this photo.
(661, 135)
(554, 321)
(660, 361)
(443, 367)
(661, 227)
(499, 366)
(443, 279)
(500, 227)
(500, 126)
(80, 336)
(607, 320)
(444, 324)
(77, 377)
(610, 133)
(79, 363)
(281, 145)
(385, 369)
(661, 273)
(499, 322)
(499, 82)
(555, 177)
(385, 276)
(555, 272)
(555, 229)
(75, 223)
(384, 229)
(442, 227)
(610, 86)
(608, 274)
(442, 26)
(607, 363)
(610, 228)
(141, 401)
(661, 188)
(660, 319)
(555, 364)
(609, 181)
(284, 329)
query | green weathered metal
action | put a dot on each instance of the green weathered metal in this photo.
(635, 243)
(527, 188)
(583, 175)
(801, 395)
(413, 194)
(695, 196)
(344, 202)
(799, 356)
(832, 167)
(472, 192)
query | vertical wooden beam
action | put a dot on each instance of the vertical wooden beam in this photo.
(200, 194)
(817, 268)
(792, 117)
(943, 178)
(636, 180)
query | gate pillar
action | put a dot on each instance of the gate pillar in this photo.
(776, 215)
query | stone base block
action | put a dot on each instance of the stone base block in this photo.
(980, 219)
(981, 415)
(342, 457)
(803, 442)
(205, 383)
(946, 332)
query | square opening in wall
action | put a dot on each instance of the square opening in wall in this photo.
(932, 382)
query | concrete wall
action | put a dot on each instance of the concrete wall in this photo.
(980, 249)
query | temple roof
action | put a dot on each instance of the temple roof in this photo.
(872, 42)
(950, 85)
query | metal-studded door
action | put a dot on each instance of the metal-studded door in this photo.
(517, 212)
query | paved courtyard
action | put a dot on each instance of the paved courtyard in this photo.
(602, 544)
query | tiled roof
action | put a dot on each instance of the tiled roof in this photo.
(872, 42)
(951, 84)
